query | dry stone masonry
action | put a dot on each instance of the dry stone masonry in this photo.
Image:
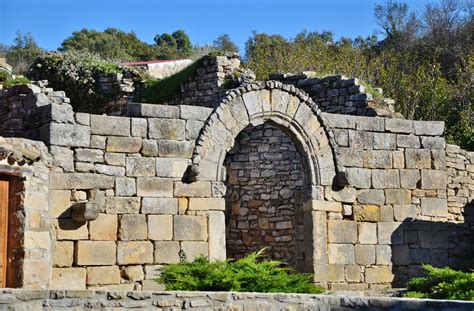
(107, 200)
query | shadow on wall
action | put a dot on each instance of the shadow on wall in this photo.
(441, 244)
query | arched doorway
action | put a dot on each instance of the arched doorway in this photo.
(264, 198)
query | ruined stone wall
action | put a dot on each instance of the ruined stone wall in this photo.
(264, 199)
(341, 95)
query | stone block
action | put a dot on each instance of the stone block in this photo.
(139, 167)
(370, 124)
(194, 112)
(409, 178)
(167, 252)
(193, 128)
(109, 125)
(361, 140)
(383, 254)
(83, 118)
(167, 129)
(95, 253)
(110, 170)
(160, 227)
(429, 128)
(408, 141)
(68, 229)
(382, 274)
(68, 278)
(104, 228)
(341, 254)
(341, 137)
(367, 233)
(385, 141)
(124, 144)
(398, 159)
(402, 212)
(190, 228)
(217, 235)
(390, 233)
(378, 159)
(134, 252)
(433, 143)
(59, 203)
(154, 187)
(103, 275)
(320, 205)
(84, 167)
(370, 213)
(371, 196)
(152, 110)
(125, 186)
(434, 207)
(98, 142)
(175, 149)
(397, 196)
(63, 157)
(63, 253)
(152, 285)
(342, 231)
(359, 177)
(171, 167)
(329, 273)
(433, 240)
(133, 227)
(69, 181)
(345, 195)
(133, 273)
(255, 101)
(417, 158)
(196, 189)
(149, 148)
(152, 271)
(382, 179)
(365, 254)
(160, 206)
(399, 126)
(69, 135)
(139, 127)
(206, 204)
(112, 158)
(351, 157)
(122, 205)
(194, 249)
(352, 273)
(339, 120)
(89, 155)
(433, 179)
(401, 255)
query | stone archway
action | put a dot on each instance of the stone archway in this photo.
(294, 112)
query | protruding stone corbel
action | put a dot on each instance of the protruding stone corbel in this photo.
(84, 211)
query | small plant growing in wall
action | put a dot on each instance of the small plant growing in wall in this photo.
(248, 274)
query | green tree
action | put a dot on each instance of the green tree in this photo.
(22, 53)
(225, 44)
(183, 43)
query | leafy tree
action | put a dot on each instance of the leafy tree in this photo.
(183, 43)
(175, 45)
(225, 44)
(22, 53)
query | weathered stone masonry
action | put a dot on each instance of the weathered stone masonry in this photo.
(378, 196)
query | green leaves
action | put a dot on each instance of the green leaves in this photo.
(442, 283)
(248, 274)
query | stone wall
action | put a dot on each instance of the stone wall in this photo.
(264, 199)
(339, 94)
(74, 300)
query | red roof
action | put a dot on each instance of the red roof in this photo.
(150, 62)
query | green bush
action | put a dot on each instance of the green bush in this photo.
(78, 74)
(248, 274)
(18, 80)
(442, 283)
(4, 75)
(158, 91)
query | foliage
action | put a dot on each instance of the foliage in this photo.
(442, 283)
(78, 75)
(157, 91)
(4, 75)
(22, 53)
(17, 80)
(175, 45)
(249, 274)
(224, 44)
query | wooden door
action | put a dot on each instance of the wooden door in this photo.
(4, 190)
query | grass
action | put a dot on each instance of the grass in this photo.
(248, 274)
(158, 91)
(16, 81)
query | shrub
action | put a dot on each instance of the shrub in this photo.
(4, 75)
(442, 283)
(158, 91)
(248, 274)
(79, 74)
(18, 80)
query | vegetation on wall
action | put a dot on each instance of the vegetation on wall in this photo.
(442, 283)
(248, 274)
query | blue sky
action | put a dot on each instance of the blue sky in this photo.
(51, 21)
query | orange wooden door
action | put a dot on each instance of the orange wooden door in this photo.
(4, 188)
